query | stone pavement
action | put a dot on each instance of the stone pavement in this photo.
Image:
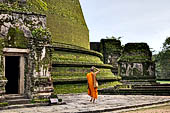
(105, 103)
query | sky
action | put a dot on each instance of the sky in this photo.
(133, 20)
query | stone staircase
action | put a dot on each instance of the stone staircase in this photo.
(157, 89)
(15, 99)
(19, 101)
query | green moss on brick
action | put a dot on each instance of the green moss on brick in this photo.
(65, 21)
(16, 39)
(78, 73)
(3, 104)
(136, 52)
(73, 57)
(80, 88)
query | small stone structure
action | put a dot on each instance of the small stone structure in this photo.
(136, 65)
(25, 55)
(111, 50)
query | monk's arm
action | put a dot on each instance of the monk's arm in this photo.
(98, 70)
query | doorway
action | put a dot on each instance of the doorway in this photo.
(12, 73)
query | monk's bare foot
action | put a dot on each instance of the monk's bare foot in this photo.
(91, 100)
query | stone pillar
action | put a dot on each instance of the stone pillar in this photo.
(136, 65)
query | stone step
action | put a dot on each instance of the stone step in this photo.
(23, 106)
(29, 105)
(18, 101)
(138, 90)
(14, 96)
(135, 92)
(144, 92)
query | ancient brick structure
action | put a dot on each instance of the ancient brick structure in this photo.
(25, 55)
(136, 65)
(111, 50)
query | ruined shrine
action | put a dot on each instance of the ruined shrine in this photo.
(25, 55)
(137, 70)
(136, 65)
(111, 50)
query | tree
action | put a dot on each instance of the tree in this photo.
(166, 44)
(113, 38)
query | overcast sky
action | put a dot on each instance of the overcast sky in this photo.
(133, 20)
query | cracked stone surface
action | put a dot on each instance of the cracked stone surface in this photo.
(80, 103)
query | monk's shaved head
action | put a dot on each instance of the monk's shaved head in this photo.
(92, 69)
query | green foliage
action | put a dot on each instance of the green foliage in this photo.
(14, 6)
(16, 38)
(1, 57)
(162, 60)
(41, 35)
(163, 64)
(39, 100)
(3, 104)
(166, 44)
(112, 37)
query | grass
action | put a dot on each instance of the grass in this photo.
(163, 82)
(79, 88)
(3, 104)
(39, 100)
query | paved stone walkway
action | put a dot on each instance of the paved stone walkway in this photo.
(105, 103)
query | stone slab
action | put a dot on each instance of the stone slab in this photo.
(105, 103)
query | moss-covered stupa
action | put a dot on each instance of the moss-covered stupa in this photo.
(68, 49)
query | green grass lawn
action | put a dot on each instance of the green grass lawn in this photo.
(79, 88)
(163, 82)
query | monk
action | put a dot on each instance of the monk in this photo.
(92, 83)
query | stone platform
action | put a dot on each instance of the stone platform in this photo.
(155, 89)
(105, 103)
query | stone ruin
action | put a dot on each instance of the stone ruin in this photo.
(136, 65)
(25, 55)
(137, 70)
(111, 50)
(133, 63)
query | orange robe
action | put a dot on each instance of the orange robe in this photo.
(91, 90)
